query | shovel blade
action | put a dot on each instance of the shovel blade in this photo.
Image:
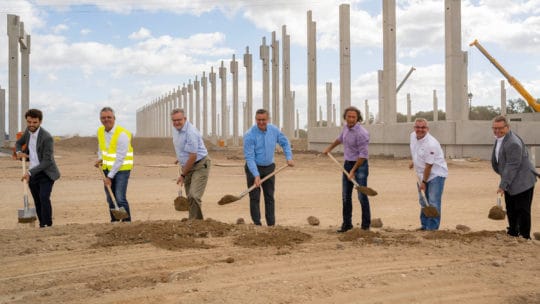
(227, 199)
(430, 211)
(366, 190)
(181, 204)
(120, 213)
(27, 215)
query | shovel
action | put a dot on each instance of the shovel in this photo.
(497, 212)
(227, 199)
(118, 213)
(362, 189)
(427, 209)
(180, 203)
(27, 214)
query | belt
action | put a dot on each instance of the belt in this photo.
(200, 160)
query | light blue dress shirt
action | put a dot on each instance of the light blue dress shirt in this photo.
(186, 141)
(259, 147)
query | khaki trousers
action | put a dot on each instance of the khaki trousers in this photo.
(195, 183)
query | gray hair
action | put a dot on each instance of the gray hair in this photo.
(178, 110)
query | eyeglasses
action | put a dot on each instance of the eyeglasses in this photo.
(418, 127)
(499, 128)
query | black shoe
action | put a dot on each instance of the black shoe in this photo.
(344, 229)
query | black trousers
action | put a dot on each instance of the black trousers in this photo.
(518, 210)
(41, 187)
(255, 195)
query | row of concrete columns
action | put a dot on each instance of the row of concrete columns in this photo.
(281, 112)
(18, 40)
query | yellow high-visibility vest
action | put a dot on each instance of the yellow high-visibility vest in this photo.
(109, 155)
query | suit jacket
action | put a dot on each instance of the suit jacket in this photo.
(45, 153)
(516, 170)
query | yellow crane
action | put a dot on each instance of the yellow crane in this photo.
(513, 81)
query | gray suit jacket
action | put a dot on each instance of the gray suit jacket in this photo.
(516, 170)
(45, 153)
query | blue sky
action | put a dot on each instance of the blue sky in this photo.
(124, 54)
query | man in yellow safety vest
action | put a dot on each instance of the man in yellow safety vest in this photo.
(115, 156)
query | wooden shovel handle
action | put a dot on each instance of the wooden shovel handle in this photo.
(264, 179)
(109, 189)
(343, 169)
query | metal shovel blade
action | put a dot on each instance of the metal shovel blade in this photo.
(366, 190)
(181, 204)
(120, 213)
(26, 215)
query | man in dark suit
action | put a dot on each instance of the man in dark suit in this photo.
(42, 170)
(510, 159)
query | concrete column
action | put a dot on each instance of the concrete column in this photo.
(312, 70)
(435, 106)
(185, 99)
(224, 118)
(293, 102)
(329, 122)
(389, 61)
(344, 56)
(24, 41)
(288, 110)
(297, 124)
(320, 120)
(366, 112)
(178, 97)
(213, 114)
(455, 64)
(204, 85)
(196, 86)
(276, 117)
(334, 118)
(265, 56)
(382, 99)
(408, 107)
(248, 113)
(190, 106)
(236, 110)
(2, 116)
(503, 99)
(13, 93)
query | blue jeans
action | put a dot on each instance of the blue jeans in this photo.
(119, 189)
(360, 176)
(434, 190)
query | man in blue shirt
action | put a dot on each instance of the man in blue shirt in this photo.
(259, 146)
(192, 155)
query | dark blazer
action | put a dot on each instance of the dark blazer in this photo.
(45, 153)
(516, 170)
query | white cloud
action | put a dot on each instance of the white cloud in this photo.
(85, 32)
(59, 28)
(142, 33)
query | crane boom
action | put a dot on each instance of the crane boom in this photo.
(513, 81)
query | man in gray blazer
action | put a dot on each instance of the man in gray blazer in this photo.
(42, 170)
(510, 159)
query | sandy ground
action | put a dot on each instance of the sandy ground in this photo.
(161, 259)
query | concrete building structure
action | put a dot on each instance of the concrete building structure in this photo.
(264, 55)
(236, 109)
(344, 56)
(275, 116)
(248, 109)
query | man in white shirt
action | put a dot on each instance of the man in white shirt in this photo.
(42, 170)
(430, 165)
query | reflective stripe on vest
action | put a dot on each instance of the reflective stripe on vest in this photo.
(109, 155)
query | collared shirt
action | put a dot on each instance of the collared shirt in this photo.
(498, 147)
(122, 145)
(32, 149)
(186, 141)
(259, 147)
(427, 150)
(355, 142)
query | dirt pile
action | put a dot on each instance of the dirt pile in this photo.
(170, 235)
(274, 236)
